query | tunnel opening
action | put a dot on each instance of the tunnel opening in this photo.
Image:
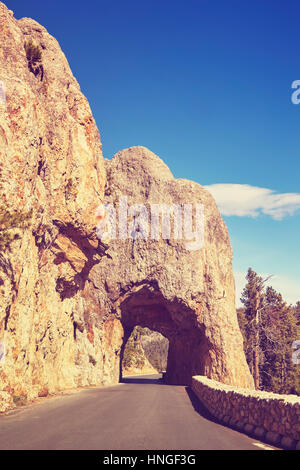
(145, 307)
(145, 354)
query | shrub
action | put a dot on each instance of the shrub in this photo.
(34, 58)
(10, 220)
(33, 52)
(20, 400)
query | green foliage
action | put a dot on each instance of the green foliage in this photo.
(297, 315)
(278, 372)
(252, 298)
(33, 52)
(143, 347)
(20, 400)
(71, 189)
(34, 58)
(11, 221)
(269, 327)
(133, 353)
(156, 349)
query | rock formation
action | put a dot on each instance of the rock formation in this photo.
(155, 348)
(186, 294)
(68, 303)
(51, 168)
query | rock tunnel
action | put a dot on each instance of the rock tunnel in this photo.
(147, 308)
(187, 295)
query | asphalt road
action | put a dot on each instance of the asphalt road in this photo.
(141, 413)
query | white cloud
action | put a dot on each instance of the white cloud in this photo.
(289, 288)
(251, 201)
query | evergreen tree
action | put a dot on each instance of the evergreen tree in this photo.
(253, 300)
(279, 331)
(297, 315)
(269, 327)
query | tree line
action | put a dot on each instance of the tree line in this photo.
(270, 329)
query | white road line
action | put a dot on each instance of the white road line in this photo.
(263, 446)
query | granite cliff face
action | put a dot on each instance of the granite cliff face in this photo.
(52, 168)
(68, 303)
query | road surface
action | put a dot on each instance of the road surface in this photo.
(141, 413)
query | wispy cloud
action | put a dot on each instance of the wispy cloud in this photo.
(243, 200)
(289, 288)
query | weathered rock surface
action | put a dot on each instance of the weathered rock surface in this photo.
(6, 401)
(52, 165)
(67, 306)
(186, 295)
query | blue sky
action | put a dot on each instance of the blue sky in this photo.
(206, 86)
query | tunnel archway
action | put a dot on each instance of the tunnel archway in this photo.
(147, 308)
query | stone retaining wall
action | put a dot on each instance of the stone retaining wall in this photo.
(267, 416)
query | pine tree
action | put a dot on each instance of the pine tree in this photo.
(279, 332)
(269, 327)
(297, 314)
(253, 300)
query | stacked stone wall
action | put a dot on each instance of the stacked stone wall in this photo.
(267, 416)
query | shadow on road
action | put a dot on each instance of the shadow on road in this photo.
(155, 380)
(198, 406)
